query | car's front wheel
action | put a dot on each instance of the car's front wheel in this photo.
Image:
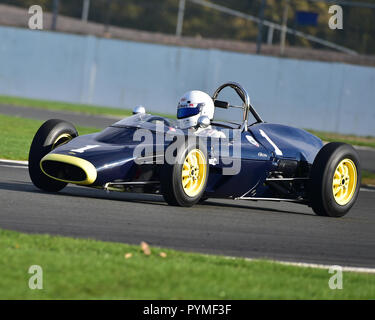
(184, 182)
(335, 180)
(51, 134)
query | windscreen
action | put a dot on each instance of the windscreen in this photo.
(147, 121)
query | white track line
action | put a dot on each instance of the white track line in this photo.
(311, 265)
(10, 166)
(14, 162)
(324, 266)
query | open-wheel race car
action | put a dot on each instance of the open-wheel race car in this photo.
(152, 154)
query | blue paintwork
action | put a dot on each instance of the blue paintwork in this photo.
(112, 161)
(294, 143)
(113, 158)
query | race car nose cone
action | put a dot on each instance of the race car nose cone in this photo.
(68, 169)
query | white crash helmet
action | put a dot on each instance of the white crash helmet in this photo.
(191, 106)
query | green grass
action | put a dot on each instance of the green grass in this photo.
(368, 177)
(65, 106)
(18, 133)
(350, 139)
(88, 269)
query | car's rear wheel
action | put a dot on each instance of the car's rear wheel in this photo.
(334, 180)
(51, 134)
(184, 182)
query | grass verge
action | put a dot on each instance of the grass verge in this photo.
(65, 106)
(88, 269)
(18, 133)
(368, 177)
(350, 139)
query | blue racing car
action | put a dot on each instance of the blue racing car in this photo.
(194, 158)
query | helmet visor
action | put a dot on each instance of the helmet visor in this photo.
(185, 112)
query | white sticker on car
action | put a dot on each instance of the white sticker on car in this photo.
(82, 150)
(277, 150)
(261, 154)
(252, 141)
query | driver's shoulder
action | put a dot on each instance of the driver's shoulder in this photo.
(210, 132)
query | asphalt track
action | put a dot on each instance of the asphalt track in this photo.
(281, 231)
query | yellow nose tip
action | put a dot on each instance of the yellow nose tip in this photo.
(68, 169)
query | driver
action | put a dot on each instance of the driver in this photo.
(192, 105)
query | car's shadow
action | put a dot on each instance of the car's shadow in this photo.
(242, 205)
(150, 199)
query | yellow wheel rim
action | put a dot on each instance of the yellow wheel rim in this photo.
(62, 139)
(194, 172)
(344, 182)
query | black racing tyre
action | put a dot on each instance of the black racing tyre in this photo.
(203, 199)
(335, 180)
(183, 183)
(50, 135)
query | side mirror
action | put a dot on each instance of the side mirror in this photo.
(204, 121)
(139, 109)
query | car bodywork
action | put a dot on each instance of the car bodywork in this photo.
(275, 160)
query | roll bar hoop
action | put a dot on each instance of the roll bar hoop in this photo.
(245, 99)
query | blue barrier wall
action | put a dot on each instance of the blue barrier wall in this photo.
(318, 95)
